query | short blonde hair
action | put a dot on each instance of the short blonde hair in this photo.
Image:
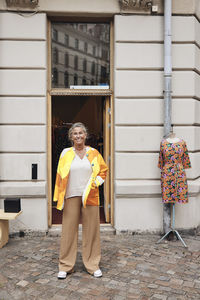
(75, 125)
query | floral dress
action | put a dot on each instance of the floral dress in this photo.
(173, 160)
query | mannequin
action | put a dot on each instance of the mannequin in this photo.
(171, 138)
(173, 160)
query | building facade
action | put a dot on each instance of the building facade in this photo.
(127, 116)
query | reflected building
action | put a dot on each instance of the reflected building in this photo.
(80, 54)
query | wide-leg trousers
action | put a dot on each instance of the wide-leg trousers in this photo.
(91, 252)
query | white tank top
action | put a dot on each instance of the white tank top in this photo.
(79, 175)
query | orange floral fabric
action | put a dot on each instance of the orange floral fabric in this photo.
(173, 160)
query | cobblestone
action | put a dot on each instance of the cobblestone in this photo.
(134, 267)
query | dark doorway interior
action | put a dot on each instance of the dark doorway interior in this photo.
(67, 110)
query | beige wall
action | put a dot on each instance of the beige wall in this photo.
(107, 8)
(23, 138)
(138, 105)
(139, 117)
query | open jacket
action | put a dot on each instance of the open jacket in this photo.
(91, 193)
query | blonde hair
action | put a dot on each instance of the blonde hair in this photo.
(75, 125)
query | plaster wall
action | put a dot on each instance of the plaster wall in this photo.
(129, 111)
(13, 108)
(27, 54)
(33, 217)
(148, 211)
(104, 7)
(139, 117)
(138, 73)
(150, 56)
(23, 116)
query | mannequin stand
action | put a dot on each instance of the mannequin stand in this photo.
(173, 229)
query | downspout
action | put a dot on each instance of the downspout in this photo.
(167, 92)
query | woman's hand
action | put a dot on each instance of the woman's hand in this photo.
(93, 186)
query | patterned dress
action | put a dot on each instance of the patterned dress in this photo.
(173, 160)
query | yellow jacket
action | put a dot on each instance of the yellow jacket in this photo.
(91, 193)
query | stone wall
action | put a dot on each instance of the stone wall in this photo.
(23, 116)
(139, 117)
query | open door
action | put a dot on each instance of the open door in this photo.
(106, 154)
(94, 112)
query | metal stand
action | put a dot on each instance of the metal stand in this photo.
(173, 229)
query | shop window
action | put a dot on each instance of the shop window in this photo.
(66, 79)
(85, 47)
(66, 40)
(75, 79)
(97, 36)
(76, 44)
(55, 76)
(84, 65)
(76, 62)
(55, 55)
(103, 73)
(93, 68)
(104, 54)
(94, 50)
(66, 59)
(84, 81)
(54, 35)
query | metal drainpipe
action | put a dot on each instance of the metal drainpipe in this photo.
(167, 92)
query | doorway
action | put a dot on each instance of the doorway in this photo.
(93, 112)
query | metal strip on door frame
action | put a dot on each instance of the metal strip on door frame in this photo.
(107, 128)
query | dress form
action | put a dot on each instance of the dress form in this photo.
(172, 139)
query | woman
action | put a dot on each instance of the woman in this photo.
(81, 170)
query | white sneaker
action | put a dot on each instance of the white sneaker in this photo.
(97, 273)
(62, 275)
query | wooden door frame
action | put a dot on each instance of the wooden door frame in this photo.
(64, 92)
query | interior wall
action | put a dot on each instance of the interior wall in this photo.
(85, 109)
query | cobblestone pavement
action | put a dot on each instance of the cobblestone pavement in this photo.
(133, 266)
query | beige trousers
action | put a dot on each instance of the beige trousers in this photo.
(91, 252)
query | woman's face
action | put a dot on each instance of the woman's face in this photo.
(78, 136)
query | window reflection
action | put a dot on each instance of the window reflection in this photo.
(84, 66)
(55, 56)
(66, 40)
(66, 78)
(75, 79)
(55, 76)
(80, 54)
(76, 62)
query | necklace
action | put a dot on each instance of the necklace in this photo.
(81, 152)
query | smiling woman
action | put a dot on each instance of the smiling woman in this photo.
(78, 134)
(81, 170)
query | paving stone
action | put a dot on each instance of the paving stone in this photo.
(3, 280)
(153, 286)
(135, 281)
(42, 281)
(58, 297)
(134, 267)
(22, 283)
(164, 278)
(171, 272)
(164, 288)
(118, 297)
(188, 283)
(159, 296)
(176, 281)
